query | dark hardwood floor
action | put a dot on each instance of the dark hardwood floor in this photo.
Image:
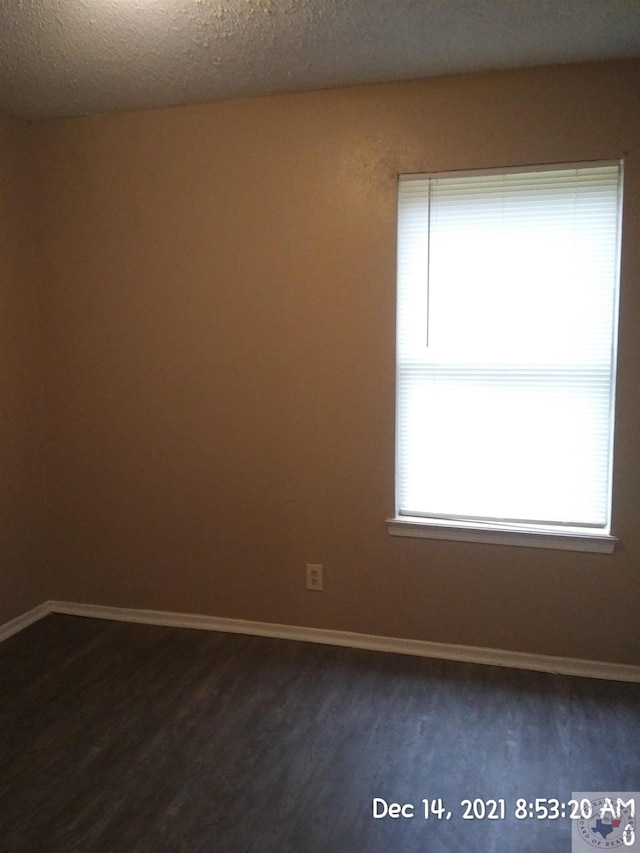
(120, 737)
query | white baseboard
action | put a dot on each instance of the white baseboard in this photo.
(9, 628)
(420, 648)
(396, 645)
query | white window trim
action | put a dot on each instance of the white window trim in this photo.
(569, 539)
(566, 538)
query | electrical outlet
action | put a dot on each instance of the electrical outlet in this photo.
(314, 577)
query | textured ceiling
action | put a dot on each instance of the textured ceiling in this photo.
(75, 57)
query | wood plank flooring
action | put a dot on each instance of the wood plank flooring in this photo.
(120, 737)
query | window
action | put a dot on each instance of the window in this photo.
(507, 318)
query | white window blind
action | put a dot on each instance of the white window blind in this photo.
(507, 317)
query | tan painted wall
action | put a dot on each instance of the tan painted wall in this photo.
(22, 557)
(220, 332)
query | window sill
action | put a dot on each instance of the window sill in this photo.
(569, 539)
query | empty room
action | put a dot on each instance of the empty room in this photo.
(320, 426)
